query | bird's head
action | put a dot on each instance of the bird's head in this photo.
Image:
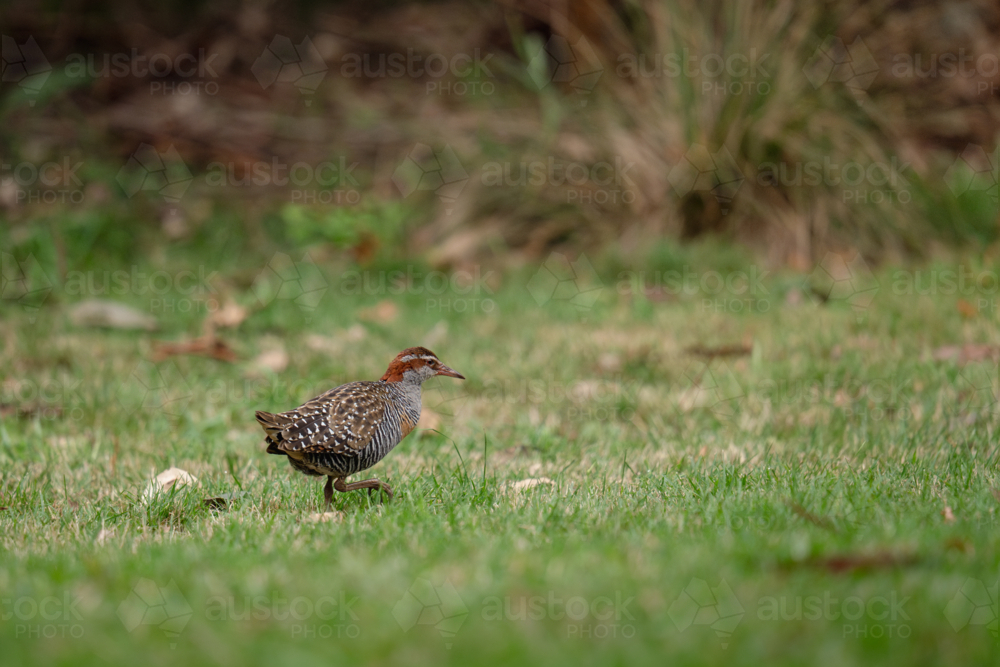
(416, 364)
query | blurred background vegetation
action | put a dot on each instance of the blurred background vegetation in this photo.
(450, 131)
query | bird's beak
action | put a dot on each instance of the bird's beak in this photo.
(450, 372)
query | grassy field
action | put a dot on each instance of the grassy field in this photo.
(730, 469)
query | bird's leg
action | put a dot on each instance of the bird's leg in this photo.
(371, 484)
(328, 491)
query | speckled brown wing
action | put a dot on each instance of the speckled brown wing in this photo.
(341, 421)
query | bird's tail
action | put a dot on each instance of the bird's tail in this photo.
(271, 424)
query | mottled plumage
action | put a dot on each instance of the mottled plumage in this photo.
(352, 427)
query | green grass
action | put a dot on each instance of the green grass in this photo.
(805, 484)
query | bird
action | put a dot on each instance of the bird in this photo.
(352, 427)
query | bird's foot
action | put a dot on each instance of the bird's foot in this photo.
(371, 484)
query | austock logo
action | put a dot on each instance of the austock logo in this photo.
(154, 387)
(148, 169)
(43, 618)
(975, 605)
(700, 604)
(607, 399)
(715, 389)
(323, 617)
(844, 278)
(24, 64)
(975, 172)
(833, 61)
(327, 182)
(560, 279)
(447, 399)
(978, 386)
(165, 608)
(560, 61)
(599, 617)
(704, 171)
(195, 71)
(440, 171)
(24, 283)
(731, 73)
(875, 616)
(301, 64)
(426, 604)
(469, 70)
(284, 279)
(44, 182)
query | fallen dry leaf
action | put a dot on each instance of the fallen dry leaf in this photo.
(204, 346)
(110, 314)
(656, 293)
(739, 350)
(230, 314)
(174, 223)
(335, 344)
(794, 298)
(322, 344)
(222, 502)
(168, 479)
(366, 248)
(511, 453)
(174, 477)
(959, 544)
(274, 360)
(967, 309)
(530, 483)
(354, 333)
(610, 362)
(29, 411)
(853, 562)
(383, 312)
(966, 353)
